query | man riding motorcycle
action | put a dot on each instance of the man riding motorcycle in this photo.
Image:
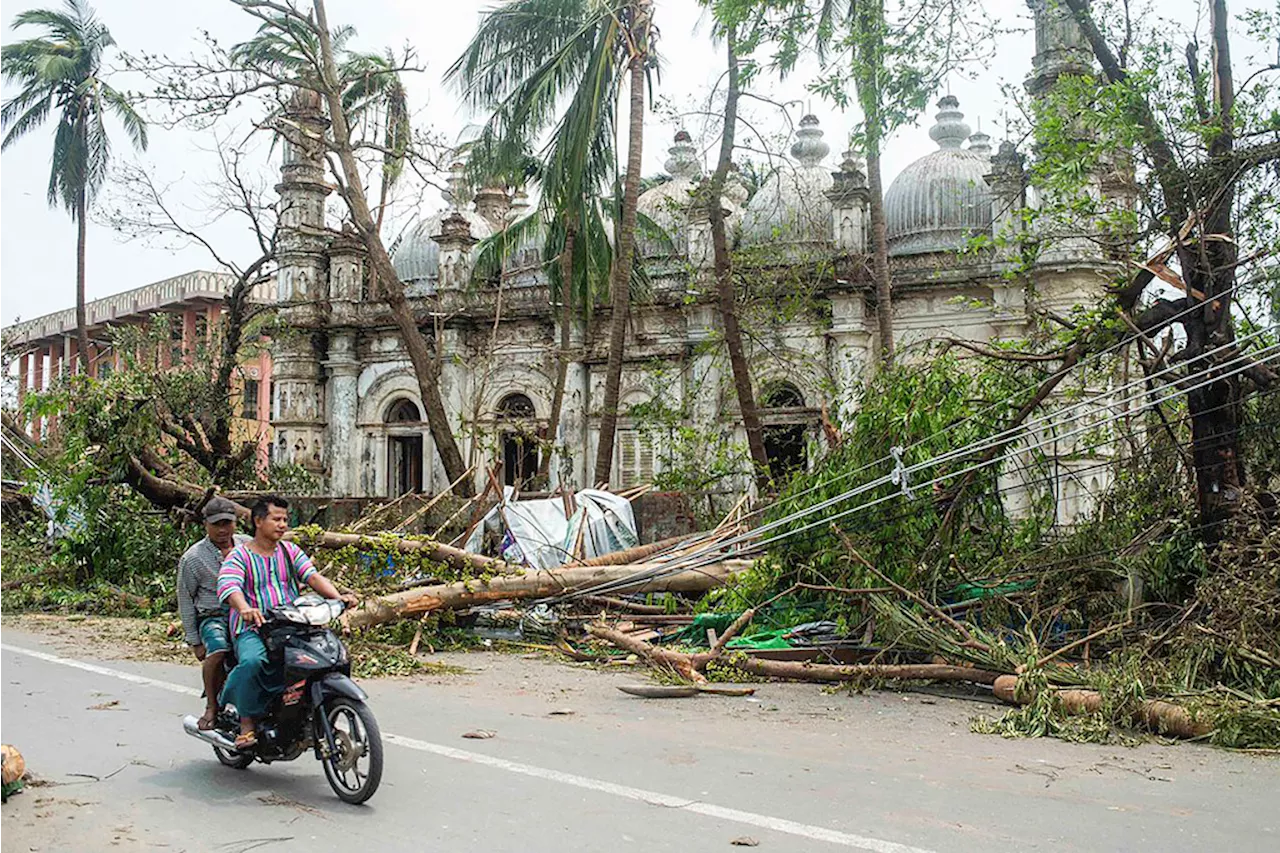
(204, 617)
(262, 573)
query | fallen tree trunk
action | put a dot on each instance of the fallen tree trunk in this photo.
(638, 553)
(691, 666)
(804, 671)
(38, 577)
(437, 551)
(1159, 716)
(534, 584)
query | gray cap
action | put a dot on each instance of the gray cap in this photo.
(219, 509)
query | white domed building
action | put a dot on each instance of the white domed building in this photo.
(346, 399)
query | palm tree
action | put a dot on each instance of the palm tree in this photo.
(62, 69)
(526, 58)
(574, 229)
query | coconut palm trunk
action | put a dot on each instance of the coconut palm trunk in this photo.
(563, 357)
(724, 277)
(620, 302)
(82, 324)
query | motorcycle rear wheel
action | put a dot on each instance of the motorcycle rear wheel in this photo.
(234, 760)
(355, 771)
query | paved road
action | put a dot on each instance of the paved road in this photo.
(798, 770)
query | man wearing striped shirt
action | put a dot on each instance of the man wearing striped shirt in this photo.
(262, 573)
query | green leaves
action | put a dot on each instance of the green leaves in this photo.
(62, 69)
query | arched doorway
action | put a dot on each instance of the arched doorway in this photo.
(518, 441)
(786, 425)
(404, 448)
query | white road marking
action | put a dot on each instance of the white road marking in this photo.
(775, 824)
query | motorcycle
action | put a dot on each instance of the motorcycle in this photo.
(320, 709)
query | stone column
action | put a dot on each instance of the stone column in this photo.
(23, 379)
(455, 241)
(1008, 182)
(297, 410)
(341, 395)
(264, 410)
(37, 424)
(571, 468)
(212, 316)
(705, 372)
(849, 197)
(188, 336)
(58, 368)
(702, 256)
(848, 350)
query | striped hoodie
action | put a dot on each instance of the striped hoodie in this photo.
(263, 581)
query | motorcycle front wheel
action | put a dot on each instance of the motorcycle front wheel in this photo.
(354, 771)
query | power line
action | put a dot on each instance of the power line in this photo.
(716, 551)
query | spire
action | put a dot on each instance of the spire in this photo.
(683, 163)
(980, 143)
(951, 129)
(457, 193)
(809, 148)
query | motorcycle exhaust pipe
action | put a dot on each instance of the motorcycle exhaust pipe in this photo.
(192, 727)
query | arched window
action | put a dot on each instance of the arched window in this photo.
(404, 448)
(784, 395)
(519, 443)
(784, 435)
(515, 407)
(403, 410)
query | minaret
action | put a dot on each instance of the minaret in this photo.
(297, 406)
(1061, 47)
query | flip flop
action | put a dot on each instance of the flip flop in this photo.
(205, 723)
(247, 740)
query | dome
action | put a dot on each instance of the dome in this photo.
(792, 206)
(941, 200)
(668, 204)
(416, 256)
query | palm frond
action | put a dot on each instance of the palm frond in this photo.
(492, 253)
(24, 111)
(119, 106)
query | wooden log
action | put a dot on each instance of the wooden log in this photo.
(686, 665)
(636, 554)
(534, 584)
(803, 671)
(1159, 716)
(437, 551)
(691, 666)
(622, 604)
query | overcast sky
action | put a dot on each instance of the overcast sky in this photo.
(37, 244)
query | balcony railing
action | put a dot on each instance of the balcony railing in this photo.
(157, 296)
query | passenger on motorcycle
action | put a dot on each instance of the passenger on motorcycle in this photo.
(204, 617)
(262, 573)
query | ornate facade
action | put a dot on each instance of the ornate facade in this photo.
(346, 400)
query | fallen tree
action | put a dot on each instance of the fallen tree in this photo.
(430, 549)
(1161, 717)
(692, 667)
(535, 584)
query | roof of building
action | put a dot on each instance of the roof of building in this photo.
(197, 286)
(941, 200)
(791, 206)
